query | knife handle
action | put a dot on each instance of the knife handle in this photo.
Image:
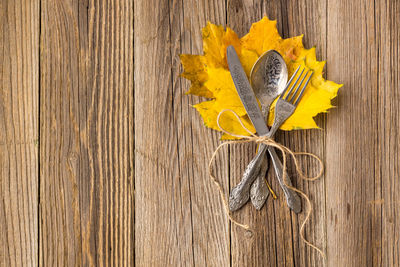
(292, 198)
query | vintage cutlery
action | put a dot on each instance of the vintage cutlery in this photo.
(268, 78)
(240, 194)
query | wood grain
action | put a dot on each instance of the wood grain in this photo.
(103, 160)
(19, 134)
(386, 203)
(211, 239)
(178, 212)
(350, 185)
(362, 140)
(86, 131)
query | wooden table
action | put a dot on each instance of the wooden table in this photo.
(104, 161)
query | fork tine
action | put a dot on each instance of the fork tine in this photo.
(293, 85)
(287, 85)
(303, 89)
(298, 87)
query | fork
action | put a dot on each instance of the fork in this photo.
(285, 106)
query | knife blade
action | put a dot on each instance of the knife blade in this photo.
(245, 91)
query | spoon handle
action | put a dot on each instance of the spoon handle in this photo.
(259, 191)
(292, 199)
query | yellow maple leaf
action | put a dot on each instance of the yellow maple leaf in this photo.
(210, 77)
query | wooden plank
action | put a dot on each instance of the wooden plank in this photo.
(355, 169)
(386, 203)
(86, 126)
(211, 237)
(307, 17)
(255, 248)
(273, 244)
(19, 89)
(86, 151)
(179, 215)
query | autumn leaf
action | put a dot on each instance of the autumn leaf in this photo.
(210, 77)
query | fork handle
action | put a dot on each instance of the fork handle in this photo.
(292, 198)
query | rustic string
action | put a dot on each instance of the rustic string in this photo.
(269, 142)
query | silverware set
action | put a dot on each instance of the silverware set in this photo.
(268, 82)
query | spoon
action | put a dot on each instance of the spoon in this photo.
(268, 79)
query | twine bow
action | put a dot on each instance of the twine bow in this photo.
(269, 142)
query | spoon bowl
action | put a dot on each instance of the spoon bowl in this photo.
(268, 78)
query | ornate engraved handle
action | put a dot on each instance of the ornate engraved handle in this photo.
(259, 191)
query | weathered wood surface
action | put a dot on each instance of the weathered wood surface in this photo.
(19, 133)
(86, 133)
(103, 160)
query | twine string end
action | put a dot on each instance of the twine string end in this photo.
(284, 150)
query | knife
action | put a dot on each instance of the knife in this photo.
(245, 92)
(240, 195)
